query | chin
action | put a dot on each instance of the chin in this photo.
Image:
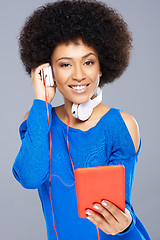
(81, 100)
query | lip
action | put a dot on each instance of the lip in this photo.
(80, 84)
(79, 90)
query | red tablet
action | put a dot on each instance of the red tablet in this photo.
(94, 184)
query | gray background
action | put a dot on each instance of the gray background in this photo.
(136, 92)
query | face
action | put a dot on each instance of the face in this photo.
(76, 71)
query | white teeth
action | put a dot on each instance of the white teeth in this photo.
(78, 87)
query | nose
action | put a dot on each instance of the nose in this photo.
(78, 73)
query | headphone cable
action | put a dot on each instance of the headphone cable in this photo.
(50, 148)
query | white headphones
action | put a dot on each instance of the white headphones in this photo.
(83, 111)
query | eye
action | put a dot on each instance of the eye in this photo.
(89, 63)
(65, 65)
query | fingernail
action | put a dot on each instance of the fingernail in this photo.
(88, 213)
(96, 207)
(104, 203)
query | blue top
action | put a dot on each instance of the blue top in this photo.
(107, 143)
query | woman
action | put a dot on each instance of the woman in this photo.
(87, 45)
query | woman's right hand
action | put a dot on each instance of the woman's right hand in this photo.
(38, 85)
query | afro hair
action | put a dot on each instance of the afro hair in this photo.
(96, 24)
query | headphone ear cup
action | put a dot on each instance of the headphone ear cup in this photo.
(51, 79)
(82, 111)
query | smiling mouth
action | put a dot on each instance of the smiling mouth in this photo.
(79, 87)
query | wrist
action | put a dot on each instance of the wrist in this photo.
(43, 99)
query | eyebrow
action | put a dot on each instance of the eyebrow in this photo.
(87, 55)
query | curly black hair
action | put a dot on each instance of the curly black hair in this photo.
(96, 24)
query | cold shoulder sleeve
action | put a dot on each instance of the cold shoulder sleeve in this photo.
(122, 151)
(31, 166)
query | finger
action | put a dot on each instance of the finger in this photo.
(39, 68)
(114, 211)
(44, 65)
(99, 221)
(124, 219)
(36, 74)
(115, 226)
(107, 215)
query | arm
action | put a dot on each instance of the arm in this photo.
(25, 116)
(31, 166)
(114, 221)
(133, 129)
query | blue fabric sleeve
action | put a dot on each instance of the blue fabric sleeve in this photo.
(129, 165)
(31, 166)
(123, 152)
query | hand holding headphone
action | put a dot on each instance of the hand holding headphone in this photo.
(38, 86)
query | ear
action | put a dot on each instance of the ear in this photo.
(100, 74)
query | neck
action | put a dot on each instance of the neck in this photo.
(67, 113)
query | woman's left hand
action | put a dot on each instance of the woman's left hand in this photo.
(111, 220)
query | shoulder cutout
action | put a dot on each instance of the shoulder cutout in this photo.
(133, 128)
(25, 116)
